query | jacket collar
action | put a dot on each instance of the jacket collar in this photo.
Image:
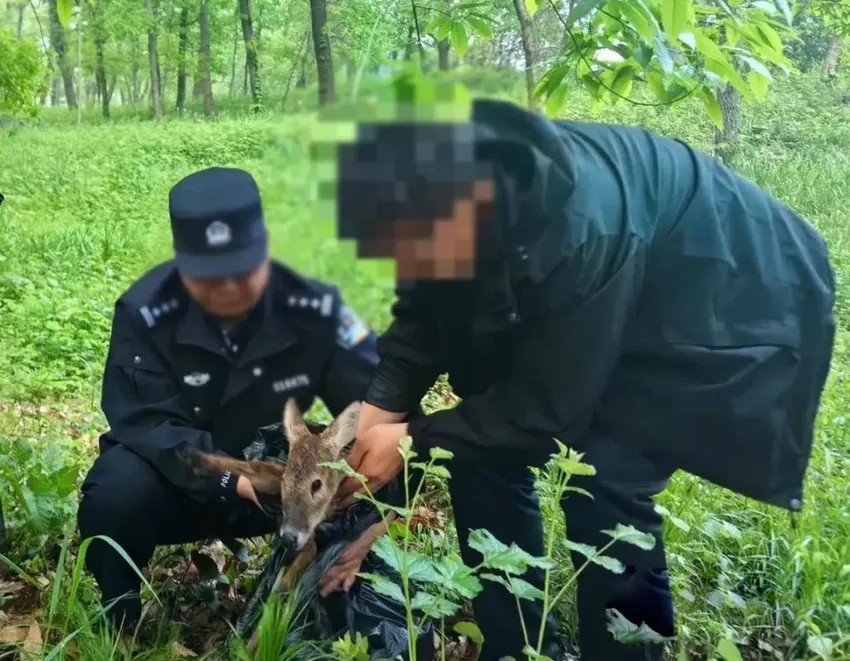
(271, 335)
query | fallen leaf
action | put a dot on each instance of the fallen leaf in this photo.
(179, 650)
(13, 634)
(33, 643)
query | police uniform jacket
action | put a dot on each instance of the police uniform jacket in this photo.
(173, 381)
(638, 289)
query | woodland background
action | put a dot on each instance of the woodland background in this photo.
(105, 104)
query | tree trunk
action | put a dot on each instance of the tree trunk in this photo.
(251, 60)
(295, 64)
(57, 38)
(526, 30)
(409, 44)
(322, 48)
(308, 49)
(833, 56)
(726, 141)
(443, 54)
(20, 28)
(182, 45)
(100, 76)
(153, 61)
(233, 58)
(204, 59)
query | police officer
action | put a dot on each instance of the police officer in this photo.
(601, 285)
(205, 349)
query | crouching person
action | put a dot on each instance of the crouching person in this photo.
(205, 349)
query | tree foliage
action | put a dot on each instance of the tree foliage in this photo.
(21, 75)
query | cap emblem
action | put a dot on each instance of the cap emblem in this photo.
(218, 234)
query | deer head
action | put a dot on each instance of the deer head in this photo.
(306, 488)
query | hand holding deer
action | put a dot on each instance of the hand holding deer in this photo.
(376, 456)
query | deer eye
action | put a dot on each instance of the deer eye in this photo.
(315, 487)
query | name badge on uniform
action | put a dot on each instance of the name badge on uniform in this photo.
(351, 330)
(197, 379)
(290, 383)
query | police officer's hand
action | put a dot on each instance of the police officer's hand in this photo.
(245, 489)
(376, 457)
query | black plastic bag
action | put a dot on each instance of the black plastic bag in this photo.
(378, 618)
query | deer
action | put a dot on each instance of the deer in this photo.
(306, 487)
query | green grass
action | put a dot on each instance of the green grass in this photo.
(86, 213)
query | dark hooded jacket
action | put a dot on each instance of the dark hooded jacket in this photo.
(639, 289)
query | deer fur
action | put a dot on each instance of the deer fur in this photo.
(306, 488)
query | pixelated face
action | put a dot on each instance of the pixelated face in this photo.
(443, 248)
(415, 193)
(231, 297)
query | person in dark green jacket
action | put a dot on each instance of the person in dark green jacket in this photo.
(616, 290)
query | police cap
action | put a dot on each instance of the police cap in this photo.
(217, 224)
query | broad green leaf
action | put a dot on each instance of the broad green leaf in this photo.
(582, 9)
(757, 66)
(64, 9)
(442, 28)
(524, 589)
(432, 606)
(820, 645)
(459, 39)
(344, 467)
(471, 631)
(509, 559)
(592, 554)
(635, 17)
(688, 39)
(556, 101)
(664, 57)
(785, 8)
(759, 85)
(728, 650)
(712, 107)
(632, 535)
(628, 633)
(708, 47)
(481, 27)
(643, 55)
(416, 566)
(531, 6)
(384, 586)
(656, 83)
(624, 81)
(440, 453)
(674, 17)
(457, 577)
(765, 5)
(550, 81)
(770, 35)
(729, 74)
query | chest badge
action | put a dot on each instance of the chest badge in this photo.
(351, 329)
(290, 383)
(196, 379)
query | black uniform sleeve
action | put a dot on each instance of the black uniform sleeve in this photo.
(141, 402)
(409, 365)
(352, 363)
(564, 357)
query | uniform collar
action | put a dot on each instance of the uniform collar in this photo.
(269, 333)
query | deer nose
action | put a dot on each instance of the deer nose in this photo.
(293, 538)
(289, 539)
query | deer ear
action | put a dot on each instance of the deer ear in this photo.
(293, 422)
(343, 429)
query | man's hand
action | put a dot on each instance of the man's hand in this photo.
(245, 489)
(344, 571)
(376, 456)
(371, 415)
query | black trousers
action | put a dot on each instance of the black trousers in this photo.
(505, 503)
(126, 499)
